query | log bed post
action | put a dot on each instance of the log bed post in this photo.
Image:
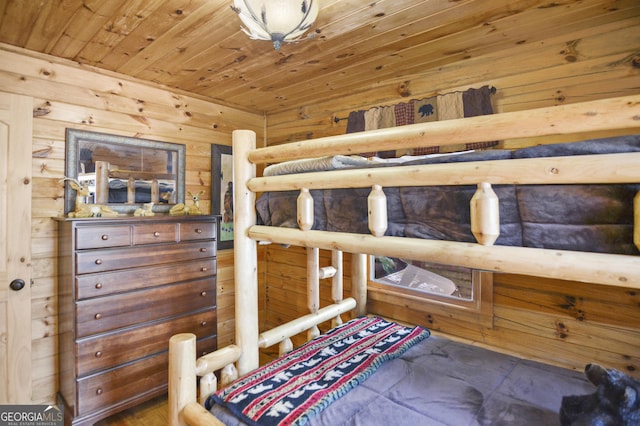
(337, 287)
(245, 252)
(182, 380)
(636, 220)
(359, 282)
(313, 287)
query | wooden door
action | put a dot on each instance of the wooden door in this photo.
(16, 114)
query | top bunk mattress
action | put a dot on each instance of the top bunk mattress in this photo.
(595, 217)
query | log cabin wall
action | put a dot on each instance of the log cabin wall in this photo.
(537, 72)
(67, 95)
(564, 323)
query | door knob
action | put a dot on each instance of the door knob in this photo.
(17, 284)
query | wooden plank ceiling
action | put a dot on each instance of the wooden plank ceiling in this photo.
(197, 45)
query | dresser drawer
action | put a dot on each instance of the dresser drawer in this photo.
(119, 384)
(197, 231)
(131, 257)
(130, 380)
(206, 345)
(103, 236)
(106, 283)
(108, 313)
(149, 233)
(106, 351)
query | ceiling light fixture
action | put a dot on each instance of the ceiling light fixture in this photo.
(277, 20)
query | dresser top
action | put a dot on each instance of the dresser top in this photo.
(125, 218)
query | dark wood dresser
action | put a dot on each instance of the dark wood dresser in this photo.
(126, 285)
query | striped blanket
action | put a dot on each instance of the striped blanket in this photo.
(297, 386)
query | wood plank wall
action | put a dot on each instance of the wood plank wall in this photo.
(68, 95)
(577, 67)
(562, 323)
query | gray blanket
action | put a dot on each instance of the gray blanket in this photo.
(594, 218)
(441, 382)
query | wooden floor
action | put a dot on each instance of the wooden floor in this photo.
(151, 413)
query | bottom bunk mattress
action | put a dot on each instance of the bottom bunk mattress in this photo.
(442, 382)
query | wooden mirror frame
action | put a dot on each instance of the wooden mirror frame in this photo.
(75, 136)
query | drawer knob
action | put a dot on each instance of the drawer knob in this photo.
(156, 234)
(98, 286)
(99, 391)
(98, 316)
(105, 237)
(198, 231)
(204, 269)
(98, 261)
(204, 293)
(203, 250)
(203, 323)
(99, 354)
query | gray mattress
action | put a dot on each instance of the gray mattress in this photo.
(442, 382)
(595, 218)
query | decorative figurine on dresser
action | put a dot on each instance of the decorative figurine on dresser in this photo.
(126, 285)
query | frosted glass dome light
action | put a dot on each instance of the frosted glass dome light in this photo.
(277, 20)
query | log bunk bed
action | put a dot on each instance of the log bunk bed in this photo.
(616, 115)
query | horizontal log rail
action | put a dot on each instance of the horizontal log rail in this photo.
(305, 322)
(584, 169)
(605, 114)
(598, 268)
(218, 359)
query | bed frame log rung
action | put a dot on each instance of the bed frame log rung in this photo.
(597, 268)
(603, 114)
(377, 211)
(485, 215)
(285, 346)
(208, 385)
(313, 279)
(327, 272)
(196, 414)
(305, 209)
(359, 279)
(583, 169)
(304, 323)
(337, 290)
(217, 360)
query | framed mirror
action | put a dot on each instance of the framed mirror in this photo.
(124, 172)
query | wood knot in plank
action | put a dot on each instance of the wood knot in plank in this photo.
(42, 153)
(41, 111)
(404, 89)
(561, 330)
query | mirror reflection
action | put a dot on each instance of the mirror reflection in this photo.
(124, 172)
